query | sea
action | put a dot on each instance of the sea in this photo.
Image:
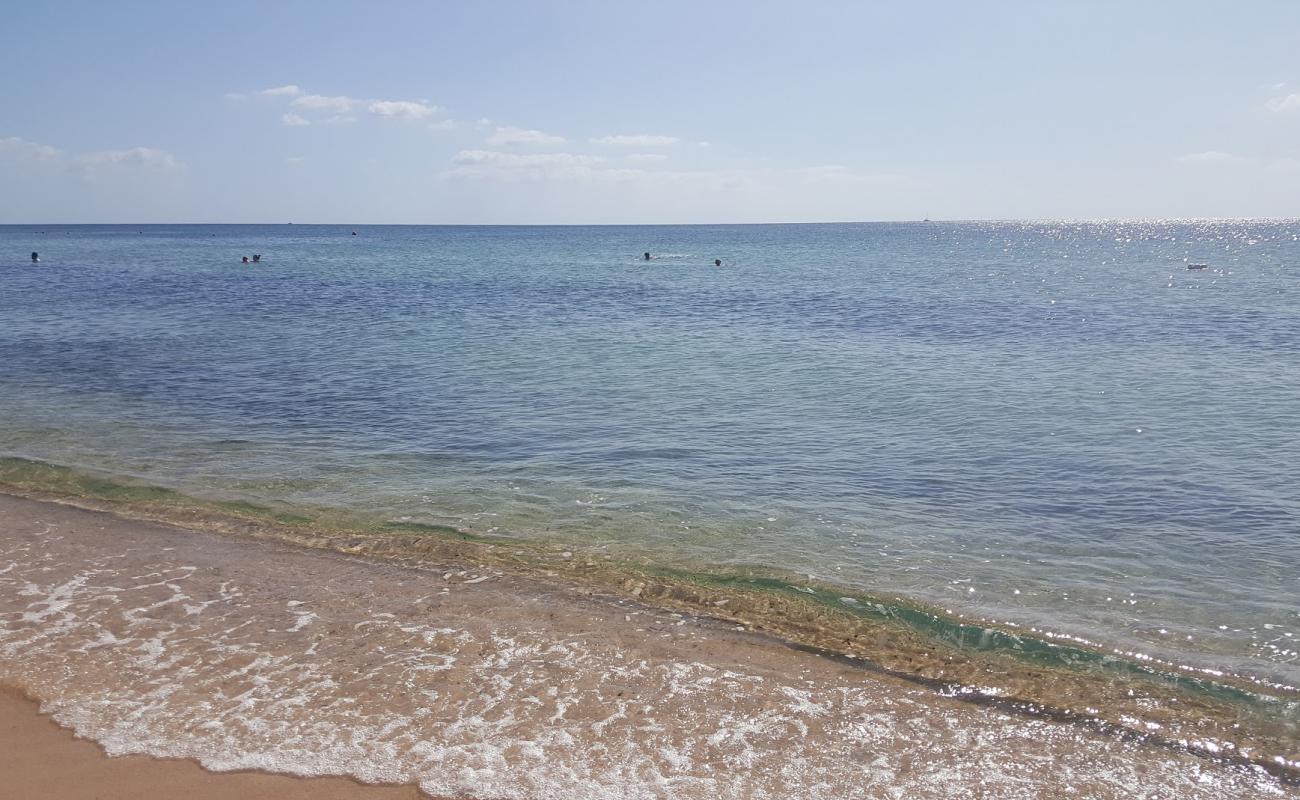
(1084, 435)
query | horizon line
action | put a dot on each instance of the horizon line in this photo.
(1056, 220)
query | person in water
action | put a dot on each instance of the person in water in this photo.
(257, 258)
(717, 262)
(245, 259)
(647, 256)
(35, 256)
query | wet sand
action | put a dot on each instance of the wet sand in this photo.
(471, 682)
(39, 759)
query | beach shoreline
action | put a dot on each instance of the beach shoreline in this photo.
(41, 759)
(599, 692)
(1219, 716)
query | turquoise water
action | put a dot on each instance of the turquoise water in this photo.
(1054, 425)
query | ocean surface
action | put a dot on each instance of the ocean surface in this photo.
(1057, 427)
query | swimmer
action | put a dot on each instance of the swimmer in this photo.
(647, 256)
(245, 259)
(717, 262)
(35, 256)
(257, 258)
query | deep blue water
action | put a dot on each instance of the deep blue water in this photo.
(1056, 424)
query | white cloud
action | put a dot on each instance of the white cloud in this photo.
(342, 105)
(646, 157)
(315, 102)
(281, 91)
(1210, 157)
(510, 135)
(528, 167)
(25, 149)
(293, 120)
(401, 109)
(637, 140)
(136, 156)
(1289, 102)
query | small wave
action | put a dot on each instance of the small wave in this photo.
(1033, 671)
(174, 644)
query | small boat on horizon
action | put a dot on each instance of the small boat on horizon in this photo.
(1197, 266)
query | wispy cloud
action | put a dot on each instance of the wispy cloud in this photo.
(506, 167)
(1210, 157)
(22, 148)
(1250, 163)
(646, 157)
(401, 109)
(637, 140)
(1287, 102)
(525, 167)
(147, 157)
(289, 90)
(277, 91)
(339, 104)
(88, 163)
(504, 137)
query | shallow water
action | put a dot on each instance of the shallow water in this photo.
(473, 682)
(1056, 425)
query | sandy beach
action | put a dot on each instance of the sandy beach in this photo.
(237, 654)
(39, 759)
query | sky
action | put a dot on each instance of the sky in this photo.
(612, 112)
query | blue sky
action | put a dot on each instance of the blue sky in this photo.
(651, 112)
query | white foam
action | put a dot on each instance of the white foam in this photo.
(463, 707)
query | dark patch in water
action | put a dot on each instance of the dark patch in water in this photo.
(242, 506)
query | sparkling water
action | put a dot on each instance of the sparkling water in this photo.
(1055, 425)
